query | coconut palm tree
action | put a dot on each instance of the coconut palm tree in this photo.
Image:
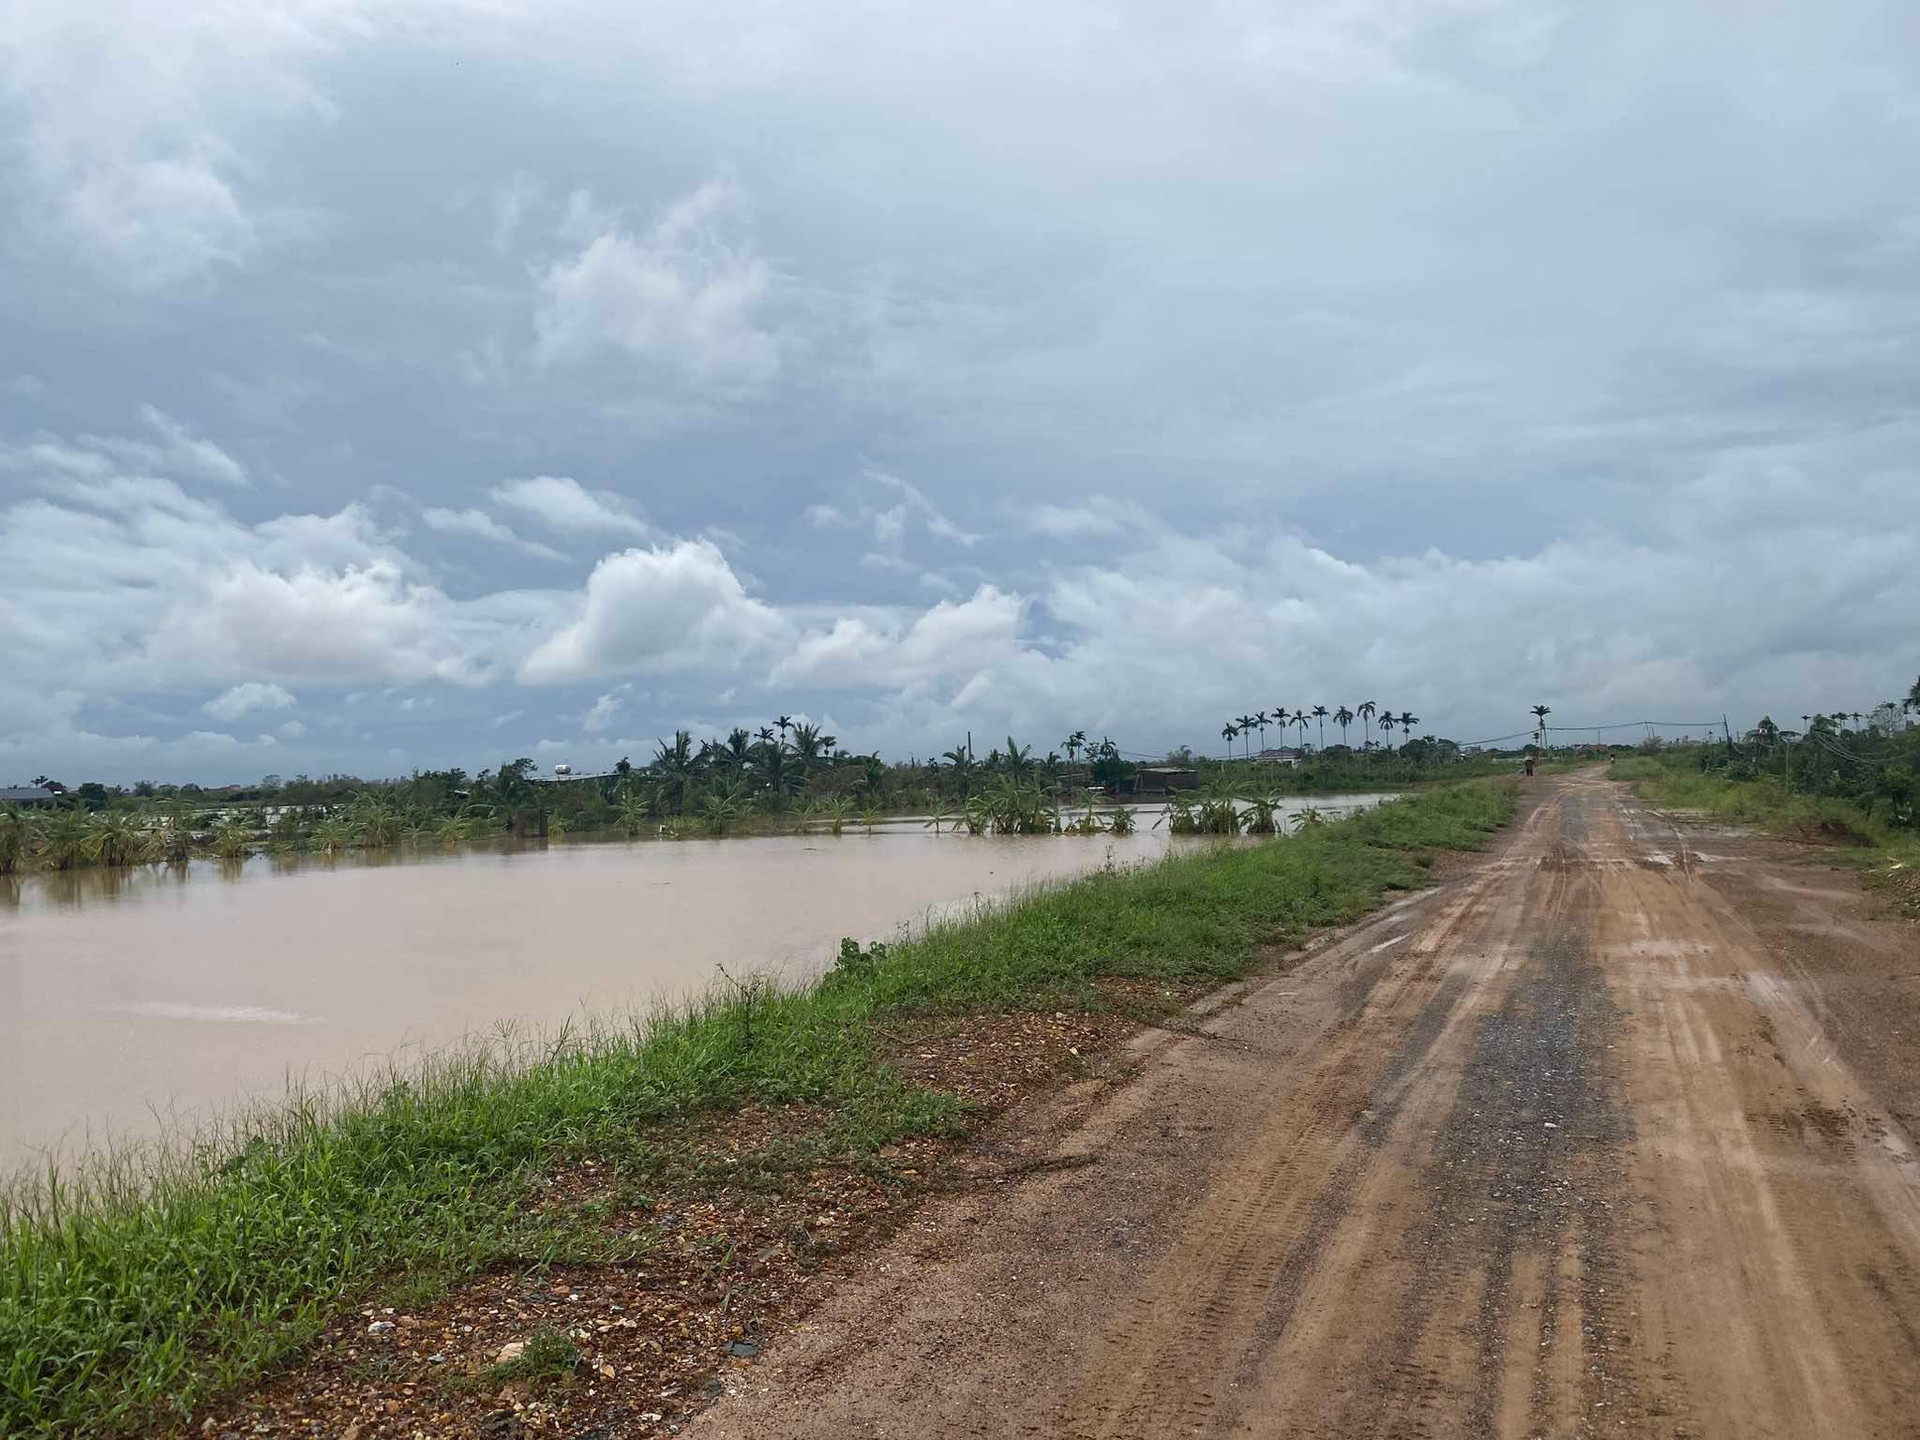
(1343, 717)
(1300, 718)
(1367, 709)
(1320, 714)
(810, 746)
(1387, 722)
(737, 751)
(1260, 721)
(778, 772)
(1407, 721)
(1019, 759)
(1227, 732)
(1540, 713)
(674, 764)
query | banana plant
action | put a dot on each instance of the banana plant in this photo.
(115, 838)
(233, 840)
(16, 838)
(1258, 817)
(62, 838)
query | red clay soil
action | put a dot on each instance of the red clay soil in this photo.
(1609, 1133)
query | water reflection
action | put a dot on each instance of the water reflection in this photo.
(165, 989)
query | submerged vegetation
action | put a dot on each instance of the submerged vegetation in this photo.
(135, 1288)
(788, 775)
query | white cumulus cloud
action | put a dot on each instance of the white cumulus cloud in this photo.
(674, 608)
(242, 699)
(482, 525)
(565, 504)
(682, 296)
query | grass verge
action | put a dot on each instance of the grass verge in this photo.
(132, 1292)
(1888, 859)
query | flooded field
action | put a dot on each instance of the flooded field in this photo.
(131, 1000)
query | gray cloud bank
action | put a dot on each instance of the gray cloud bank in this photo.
(1121, 370)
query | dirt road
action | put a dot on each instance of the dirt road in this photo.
(1611, 1134)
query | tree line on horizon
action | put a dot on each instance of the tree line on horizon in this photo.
(789, 770)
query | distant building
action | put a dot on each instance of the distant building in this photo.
(1282, 755)
(27, 795)
(1161, 779)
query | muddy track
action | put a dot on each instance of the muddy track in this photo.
(1606, 1136)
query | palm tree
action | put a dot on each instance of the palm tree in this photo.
(1343, 717)
(1320, 714)
(1300, 718)
(784, 723)
(1019, 758)
(1072, 745)
(1387, 722)
(674, 764)
(1540, 713)
(766, 734)
(1407, 722)
(810, 747)
(961, 763)
(1227, 732)
(737, 751)
(778, 773)
(1367, 709)
(1260, 720)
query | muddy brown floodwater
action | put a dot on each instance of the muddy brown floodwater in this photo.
(140, 1000)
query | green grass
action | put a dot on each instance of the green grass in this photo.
(1888, 859)
(140, 1286)
(1764, 803)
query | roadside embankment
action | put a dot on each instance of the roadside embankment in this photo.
(1887, 857)
(686, 1155)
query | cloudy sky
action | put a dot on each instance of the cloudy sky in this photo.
(393, 385)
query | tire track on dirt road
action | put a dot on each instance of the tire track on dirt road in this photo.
(1556, 1149)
